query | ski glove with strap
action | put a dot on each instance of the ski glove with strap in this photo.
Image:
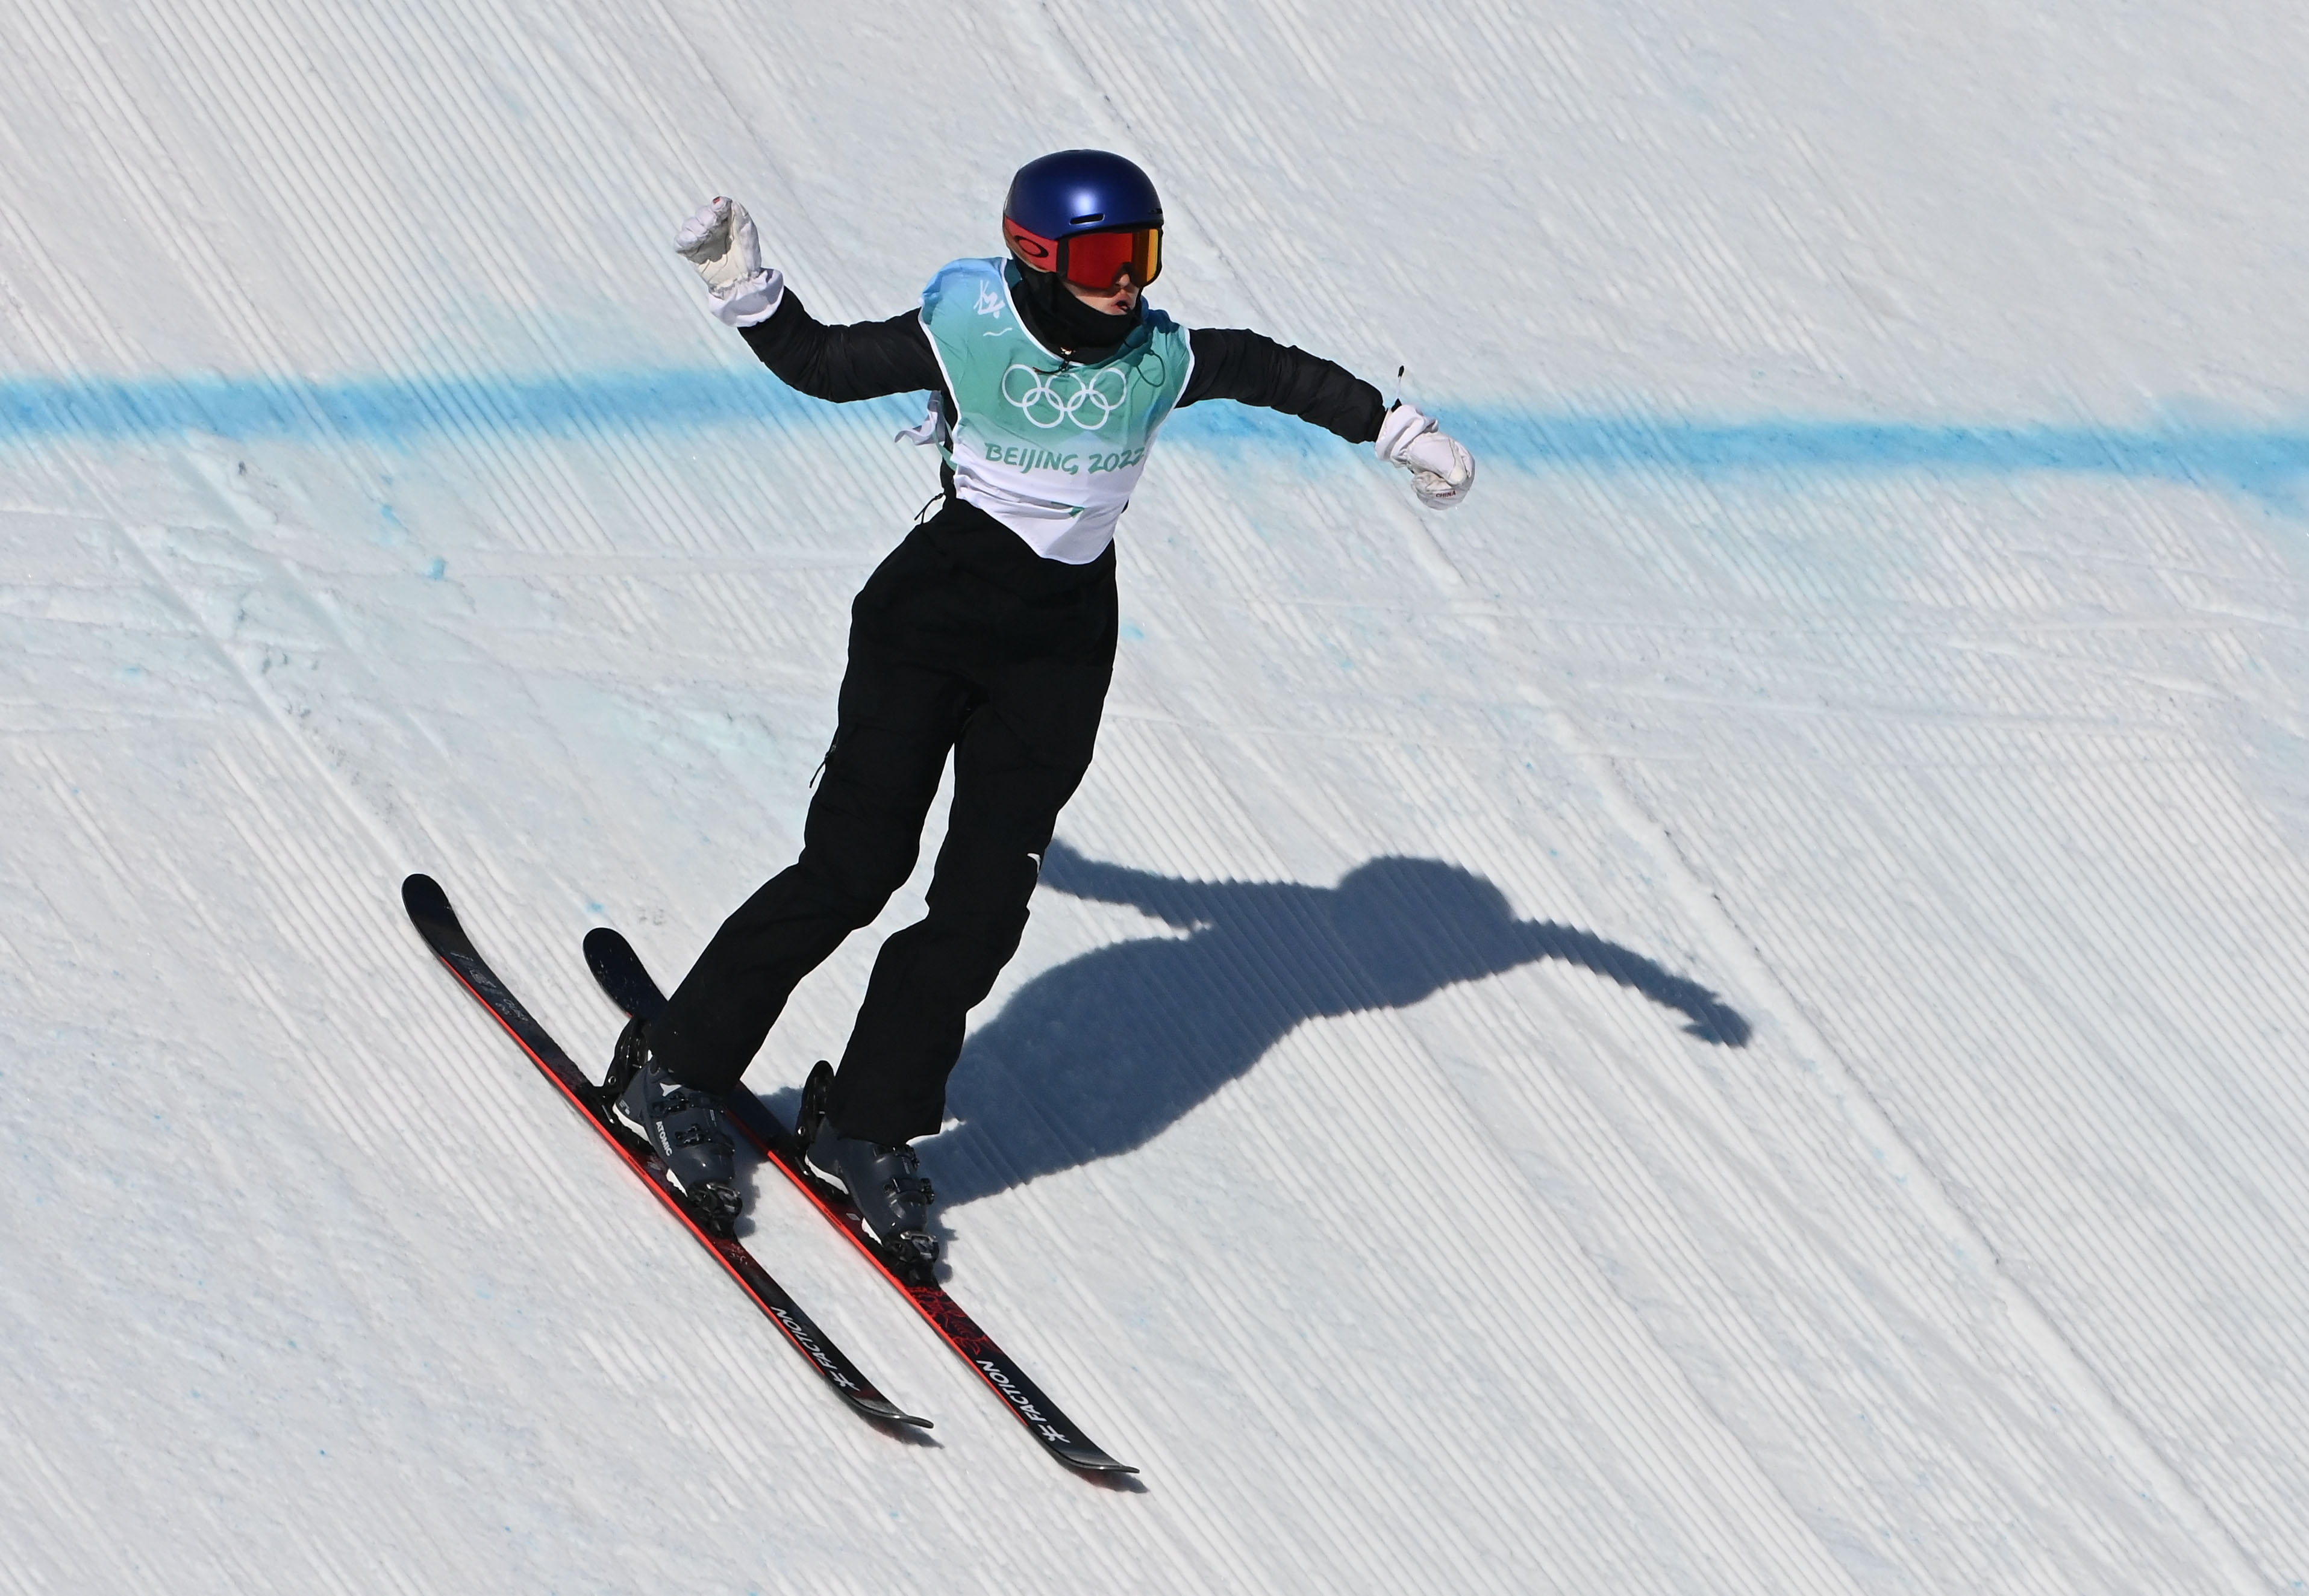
(721, 242)
(1441, 470)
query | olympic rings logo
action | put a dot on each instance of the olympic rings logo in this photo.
(1048, 399)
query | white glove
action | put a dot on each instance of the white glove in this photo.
(1441, 468)
(721, 242)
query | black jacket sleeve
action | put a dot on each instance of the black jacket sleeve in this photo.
(861, 361)
(1251, 369)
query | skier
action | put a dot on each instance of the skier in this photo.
(989, 634)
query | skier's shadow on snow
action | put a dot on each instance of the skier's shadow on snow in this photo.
(1102, 1054)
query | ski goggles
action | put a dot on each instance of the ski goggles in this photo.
(1093, 261)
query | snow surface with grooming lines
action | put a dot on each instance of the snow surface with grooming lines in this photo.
(1729, 1017)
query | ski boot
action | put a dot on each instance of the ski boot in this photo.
(884, 1183)
(684, 1124)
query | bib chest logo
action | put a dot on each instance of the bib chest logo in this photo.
(1048, 398)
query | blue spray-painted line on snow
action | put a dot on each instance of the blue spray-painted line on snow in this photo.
(395, 410)
(2270, 463)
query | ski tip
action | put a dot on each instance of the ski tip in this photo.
(603, 942)
(877, 1408)
(1096, 1462)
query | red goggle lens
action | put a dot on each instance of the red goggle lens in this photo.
(1096, 260)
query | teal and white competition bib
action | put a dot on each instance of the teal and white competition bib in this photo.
(1050, 448)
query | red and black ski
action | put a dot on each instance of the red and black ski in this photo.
(628, 983)
(437, 922)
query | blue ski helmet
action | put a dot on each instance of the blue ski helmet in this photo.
(1058, 198)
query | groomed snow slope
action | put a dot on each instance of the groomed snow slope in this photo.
(1726, 1018)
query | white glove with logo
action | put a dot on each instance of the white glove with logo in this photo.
(721, 242)
(1441, 468)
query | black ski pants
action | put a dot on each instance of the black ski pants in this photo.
(963, 641)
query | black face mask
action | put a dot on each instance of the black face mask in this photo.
(1065, 322)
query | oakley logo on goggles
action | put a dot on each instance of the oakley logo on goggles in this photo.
(1093, 261)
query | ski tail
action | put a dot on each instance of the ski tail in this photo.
(622, 974)
(429, 911)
